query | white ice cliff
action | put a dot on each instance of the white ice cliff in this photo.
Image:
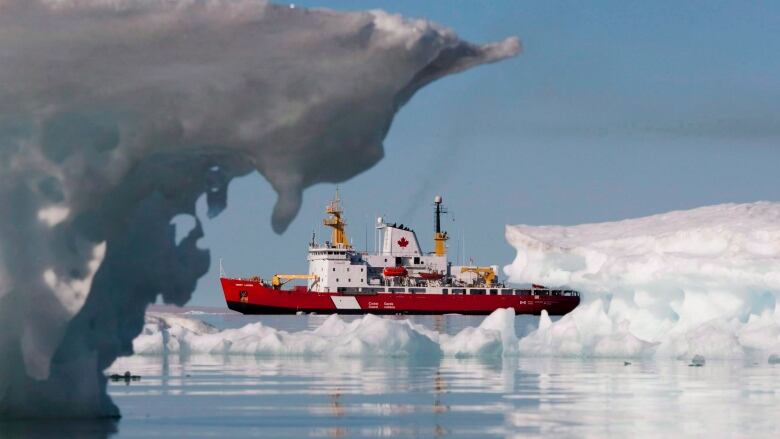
(703, 281)
(116, 115)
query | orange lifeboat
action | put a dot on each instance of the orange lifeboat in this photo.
(395, 272)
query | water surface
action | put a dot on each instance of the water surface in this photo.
(248, 397)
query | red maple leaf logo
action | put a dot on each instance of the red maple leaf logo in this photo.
(403, 242)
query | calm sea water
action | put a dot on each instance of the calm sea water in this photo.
(236, 397)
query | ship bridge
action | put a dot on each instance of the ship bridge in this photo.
(400, 261)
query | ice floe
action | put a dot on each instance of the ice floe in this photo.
(369, 336)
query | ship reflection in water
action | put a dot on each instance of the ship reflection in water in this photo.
(242, 396)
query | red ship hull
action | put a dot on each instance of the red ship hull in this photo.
(252, 297)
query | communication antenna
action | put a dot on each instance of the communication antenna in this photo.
(380, 224)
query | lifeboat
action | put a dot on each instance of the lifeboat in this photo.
(395, 272)
(431, 276)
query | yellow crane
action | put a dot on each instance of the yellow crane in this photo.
(280, 279)
(485, 273)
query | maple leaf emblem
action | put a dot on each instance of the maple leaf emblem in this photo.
(403, 242)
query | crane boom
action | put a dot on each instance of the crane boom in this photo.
(280, 279)
(486, 273)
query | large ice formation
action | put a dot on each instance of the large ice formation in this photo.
(699, 282)
(116, 115)
(369, 336)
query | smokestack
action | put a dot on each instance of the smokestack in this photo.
(439, 238)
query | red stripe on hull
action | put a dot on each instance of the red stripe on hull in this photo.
(260, 299)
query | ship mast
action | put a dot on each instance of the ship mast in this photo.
(337, 223)
(439, 237)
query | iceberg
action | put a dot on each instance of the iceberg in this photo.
(116, 116)
(704, 282)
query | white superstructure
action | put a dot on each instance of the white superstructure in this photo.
(336, 266)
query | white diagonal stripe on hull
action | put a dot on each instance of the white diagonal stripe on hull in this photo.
(345, 302)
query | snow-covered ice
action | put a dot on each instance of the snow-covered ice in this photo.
(369, 336)
(697, 282)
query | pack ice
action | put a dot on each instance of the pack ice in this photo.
(685, 283)
(369, 336)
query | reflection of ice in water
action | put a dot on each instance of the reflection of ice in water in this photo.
(484, 395)
(241, 396)
(183, 395)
